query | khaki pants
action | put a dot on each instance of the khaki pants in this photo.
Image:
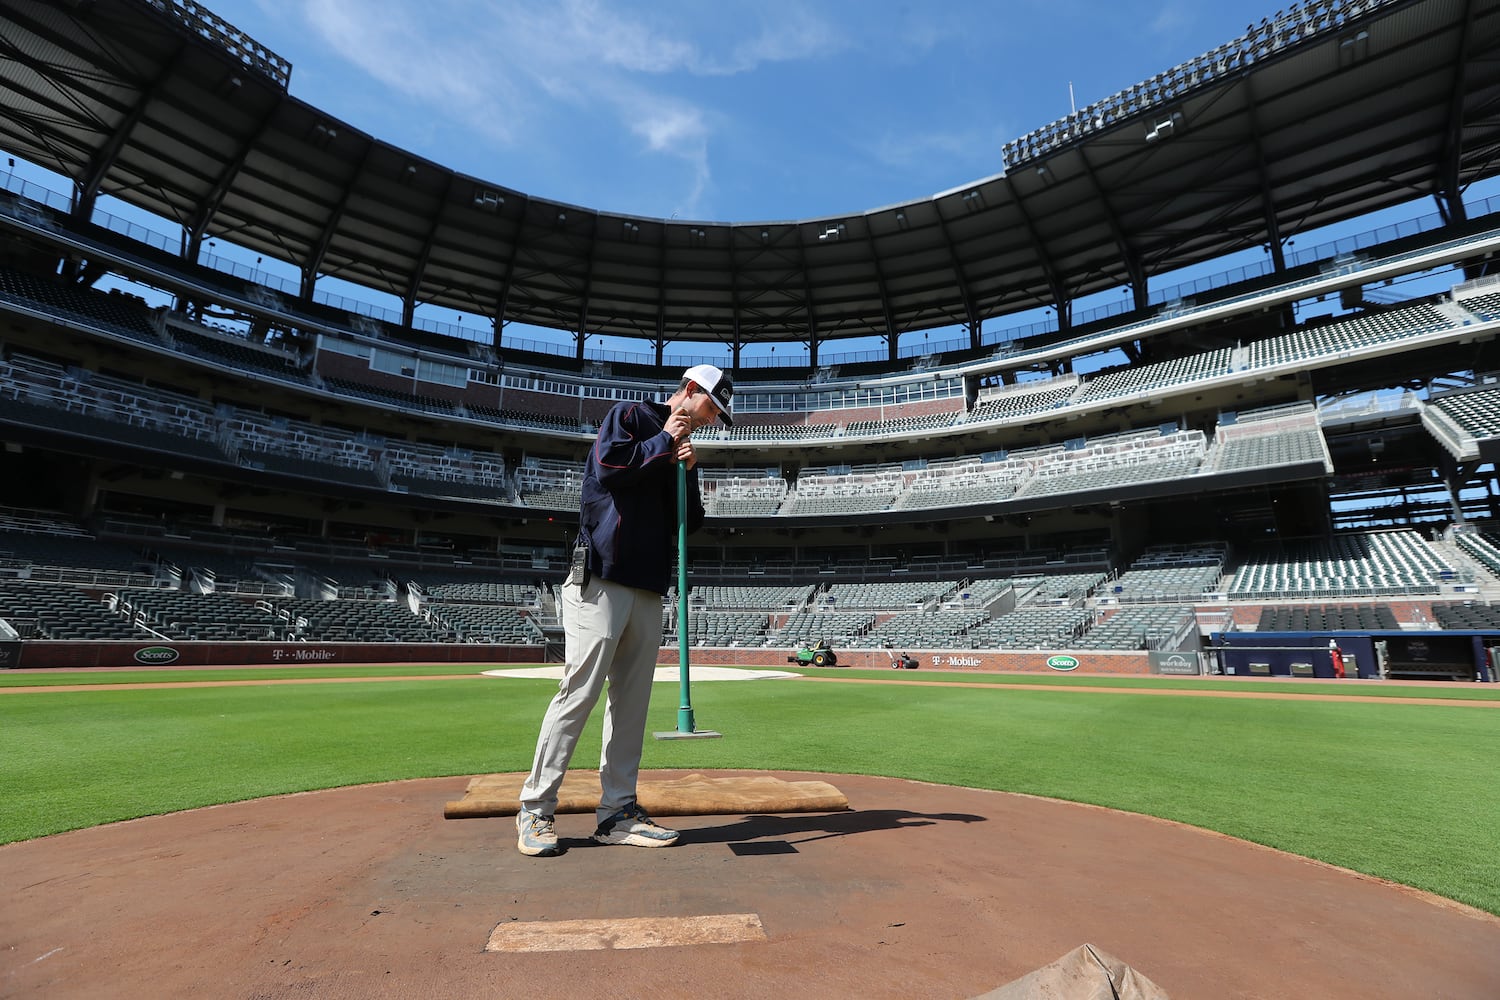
(613, 633)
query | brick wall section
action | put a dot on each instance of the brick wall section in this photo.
(62, 653)
(545, 403)
(923, 407)
(977, 661)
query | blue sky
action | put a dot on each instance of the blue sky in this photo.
(726, 112)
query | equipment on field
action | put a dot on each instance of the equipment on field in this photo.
(903, 662)
(818, 653)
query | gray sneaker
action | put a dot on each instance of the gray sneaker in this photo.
(632, 826)
(536, 835)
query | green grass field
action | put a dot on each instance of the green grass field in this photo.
(1401, 791)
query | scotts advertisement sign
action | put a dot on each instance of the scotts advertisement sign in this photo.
(156, 655)
(1062, 662)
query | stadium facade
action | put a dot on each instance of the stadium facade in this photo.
(1297, 435)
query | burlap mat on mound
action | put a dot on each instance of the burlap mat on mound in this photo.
(693, 795)
(1085, 973)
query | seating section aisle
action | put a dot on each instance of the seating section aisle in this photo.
(845, 493)
(513, 592)
(1280, 435)
(1155, 377)
(1163, 584)
(739, 496)
(240, 355)
(1476, 411)
(940, 629)
(1024, 400)
(357, 621)
(113, 312)
(1030, 628)
(895, 595)
(963, 483)
(900, 425)
(1352, 334)
(206, 617)
(728, 628)
(550, 485)
(750, 598)
(1140, 628)
(61, 611)
(492, 623)
(1377, 564)
(834, 627)
(1467, 616)
(390, 397)
(1483, 545)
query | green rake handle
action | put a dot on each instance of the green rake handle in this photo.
(685, 697)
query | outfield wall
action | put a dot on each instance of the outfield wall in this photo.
(1050, 661)
(41, 653)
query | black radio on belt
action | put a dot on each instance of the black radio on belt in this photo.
(578, 568)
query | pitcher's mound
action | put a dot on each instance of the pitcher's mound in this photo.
(917, 891)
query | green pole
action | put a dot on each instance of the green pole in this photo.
(685, 702)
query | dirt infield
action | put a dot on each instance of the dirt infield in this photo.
(920, 891)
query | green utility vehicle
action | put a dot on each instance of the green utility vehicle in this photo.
(816, 653)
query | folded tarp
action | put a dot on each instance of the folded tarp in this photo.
(1085, 973)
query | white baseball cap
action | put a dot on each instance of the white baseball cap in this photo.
(719, 386)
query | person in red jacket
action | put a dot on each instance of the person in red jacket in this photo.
(1336, 656)
(611, 605)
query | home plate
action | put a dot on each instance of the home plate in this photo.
(663, 674)
(630, 932)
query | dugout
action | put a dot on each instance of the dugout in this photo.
(1428, 655)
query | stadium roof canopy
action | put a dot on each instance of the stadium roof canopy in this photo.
(1317, 115)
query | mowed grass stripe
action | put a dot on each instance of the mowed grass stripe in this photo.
(1363, 689)
(1403, 792)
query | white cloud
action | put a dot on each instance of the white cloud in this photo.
(907, 149)
(509, 71)
(1171, 19)
(791, 36)
(679, 131)
(383, 40)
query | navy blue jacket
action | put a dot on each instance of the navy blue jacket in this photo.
(629, 512)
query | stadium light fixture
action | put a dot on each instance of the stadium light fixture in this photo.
(1164, 128)
(1354, 49)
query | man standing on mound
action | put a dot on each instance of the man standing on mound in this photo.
(611, 605)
